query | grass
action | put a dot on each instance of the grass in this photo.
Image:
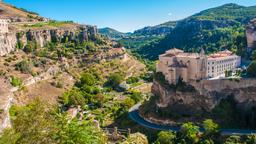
(50, 23)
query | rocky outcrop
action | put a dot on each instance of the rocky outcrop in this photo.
(206, 95)
(44, 36)
(251, 35)
(7, 43)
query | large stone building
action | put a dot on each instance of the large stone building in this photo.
(176, 63)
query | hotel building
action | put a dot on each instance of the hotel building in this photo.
(176, 63)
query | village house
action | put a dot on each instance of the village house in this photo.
(176, 63)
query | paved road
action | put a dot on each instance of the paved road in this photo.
(134, 115)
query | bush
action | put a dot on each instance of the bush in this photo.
(115, 80)
(132, 80)
(73, 97)
(136, 96)
(23, 66)
(16, 82)
(165, 137)
(251, 70)
(87, 79)
(190, 132)
(30, 47)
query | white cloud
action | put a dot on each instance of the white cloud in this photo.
(170, 14)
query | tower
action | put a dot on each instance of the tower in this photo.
(203, 62)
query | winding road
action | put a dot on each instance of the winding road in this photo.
(134, 115)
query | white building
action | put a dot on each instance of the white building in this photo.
(4, 26)
(219, 63)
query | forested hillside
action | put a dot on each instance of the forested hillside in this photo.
(213, 29)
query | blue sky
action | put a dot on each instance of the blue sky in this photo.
(123, 15)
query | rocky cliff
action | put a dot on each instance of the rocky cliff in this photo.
(42, 36)
(7, 43)
(205, 94)
(251, 35)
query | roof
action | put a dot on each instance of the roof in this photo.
(179, 53)
(221, 54)
(174, 51)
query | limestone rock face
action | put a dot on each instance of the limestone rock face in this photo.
(207, 95)
(7, 43)
(9, 40)
(251, 35)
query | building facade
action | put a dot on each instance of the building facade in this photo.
(4, 26)
(219, 63)
(175, 64)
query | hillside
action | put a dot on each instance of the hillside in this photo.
(44, 60)
(213, 29)
(162, 29)
(18, 14)
(112, 33)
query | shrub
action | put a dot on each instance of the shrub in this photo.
(136, 96)
(114, 80)
(23, 66)
(30, 47)
(87, 79)
(132, 80)
(16, 82)
(166, 137)
(251, 70)
(73, 97)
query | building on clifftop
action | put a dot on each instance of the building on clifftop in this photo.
(175, 64)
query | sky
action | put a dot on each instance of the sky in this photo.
(122, 15)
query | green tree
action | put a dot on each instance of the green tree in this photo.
(87, 79)
(30, 47)
(210, 127)
(190, 132)
(24, 66)
(233, 140)
(136, 96)
(136, 138)
(251, 70)
(73, 97)
(128, 102)
(39, 122)
(254, 55)
(251, 139)
(114, 80)
(165, 137)
(15, 81)
(31, 124)
(77, 132)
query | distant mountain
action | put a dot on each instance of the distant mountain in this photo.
(162, 29)
(112, 33)
(212, 29)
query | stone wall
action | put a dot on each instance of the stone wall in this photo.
(207, 94)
